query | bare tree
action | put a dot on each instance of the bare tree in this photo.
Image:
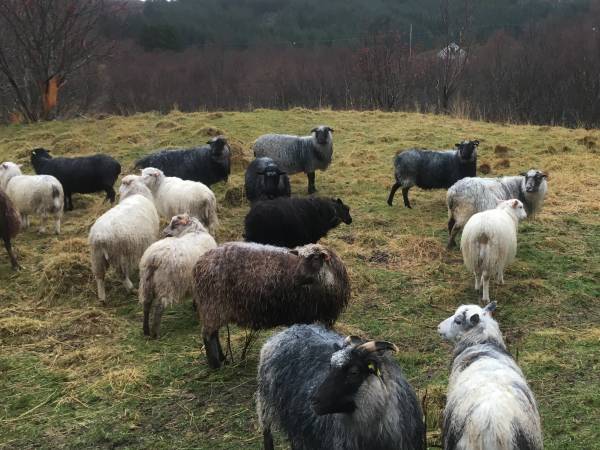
(42, 44)
(454, 56)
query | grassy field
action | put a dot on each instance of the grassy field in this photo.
(77, 375)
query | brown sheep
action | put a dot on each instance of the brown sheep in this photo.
(10, 225)
(262, 286)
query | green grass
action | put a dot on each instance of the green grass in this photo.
(74, 374)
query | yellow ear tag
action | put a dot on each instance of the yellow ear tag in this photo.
(374, 369)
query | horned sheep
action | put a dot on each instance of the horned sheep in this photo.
(489, 405)
(174, 196)
(326, 392)
(33, 194)
(433, 169)
(261, 286)
(120, 236)
(471, 195)
(294, 154)
(166, 267)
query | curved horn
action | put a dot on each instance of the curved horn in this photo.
(353, 340)
(377, 346)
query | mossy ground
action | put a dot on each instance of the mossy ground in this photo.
(74, 374)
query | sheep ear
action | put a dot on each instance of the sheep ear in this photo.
(314, 130)
(490, 308)
(330, 129)
(4, 166)
(476, 142)
(523, 174)
(544, 175)
(339, 200)
(515, 204)
(457, 145)
(474, 319)
(294, 252)
(377, 346)
(19, 166)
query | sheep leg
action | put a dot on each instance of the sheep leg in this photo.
(477, 279)
(311, 183)
(147, 308)
(159, 307)
(393, 192)
(501, 277)
(57, 225)
(126, 281)
(11, 254)
(99, 266)
(452, 238)
(211, 347)
(268, 439)
(485, 280)
(405, 197)
(110, 194)
(42, 228)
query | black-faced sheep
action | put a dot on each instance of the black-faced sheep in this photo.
(33, 194)
(489, 242)
(208, 164)
(472, 195)
(120, 236)
(289, 222)
(326, 392)
(294, 154)
(433, 169)
(167, 265)
(265, 181)
(261, 286)
(174, 196)
(489, 404)
(10, 224)
(84, 175)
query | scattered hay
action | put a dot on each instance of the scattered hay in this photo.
(214, 115)
(588, 141)
(551, 150)
(234, 196)
(485, 169)
(121, 379)
(210, 131)
(240, 157)
(502, 150)
(166, 125)
(18, 325)
(388, 139)
(502, 164)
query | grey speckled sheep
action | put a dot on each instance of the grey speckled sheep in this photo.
(167, 265)
(294, 154)
(472, 195)
(326, 392)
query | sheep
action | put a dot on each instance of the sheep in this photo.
(294, 154)
(326, 392)
(289, 222)
(489, 242)
(174, 196)
(166, 267)
(208, 164)
(33, 194)
(120, 236)
(471, 195)
(10, 224)
(489, 404)
(433, 169)
(261, 286)
(264, 180)
(83, 174)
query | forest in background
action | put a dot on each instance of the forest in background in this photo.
(520, 61)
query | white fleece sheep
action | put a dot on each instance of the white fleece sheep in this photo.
(33, 194)
(174, 196)
(120, 236)
(489, 242)
(166, 268)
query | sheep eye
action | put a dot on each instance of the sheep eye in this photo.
(354, 370)
(457, 321)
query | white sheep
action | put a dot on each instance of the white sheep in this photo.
(489, 405)
(120, 236)
(174, 196)
(33, 194)
(166, 268)
(489, 242)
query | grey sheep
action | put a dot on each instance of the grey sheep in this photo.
(294, 154)
(433, 169)
(261, 286)
(489, 405)
(264, 180)
(326, 392)
(472, 195)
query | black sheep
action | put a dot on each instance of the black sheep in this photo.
(208, 164)
(10, 224)
(291, 222)
(433, 169)
(264, 180)
(84, 174)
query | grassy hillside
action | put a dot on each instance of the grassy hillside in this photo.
(74, 374)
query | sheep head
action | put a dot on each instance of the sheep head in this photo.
(533, 180)
(312, 264)
(322, 134)
(467, 150)
(181, 224)
(464, 320)
(356, 371)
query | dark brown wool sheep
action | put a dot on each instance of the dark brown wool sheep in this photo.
(261, 286)
(10, 224)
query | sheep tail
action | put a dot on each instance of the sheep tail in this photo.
(482, 251)
(58, 204)
(146, 289)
